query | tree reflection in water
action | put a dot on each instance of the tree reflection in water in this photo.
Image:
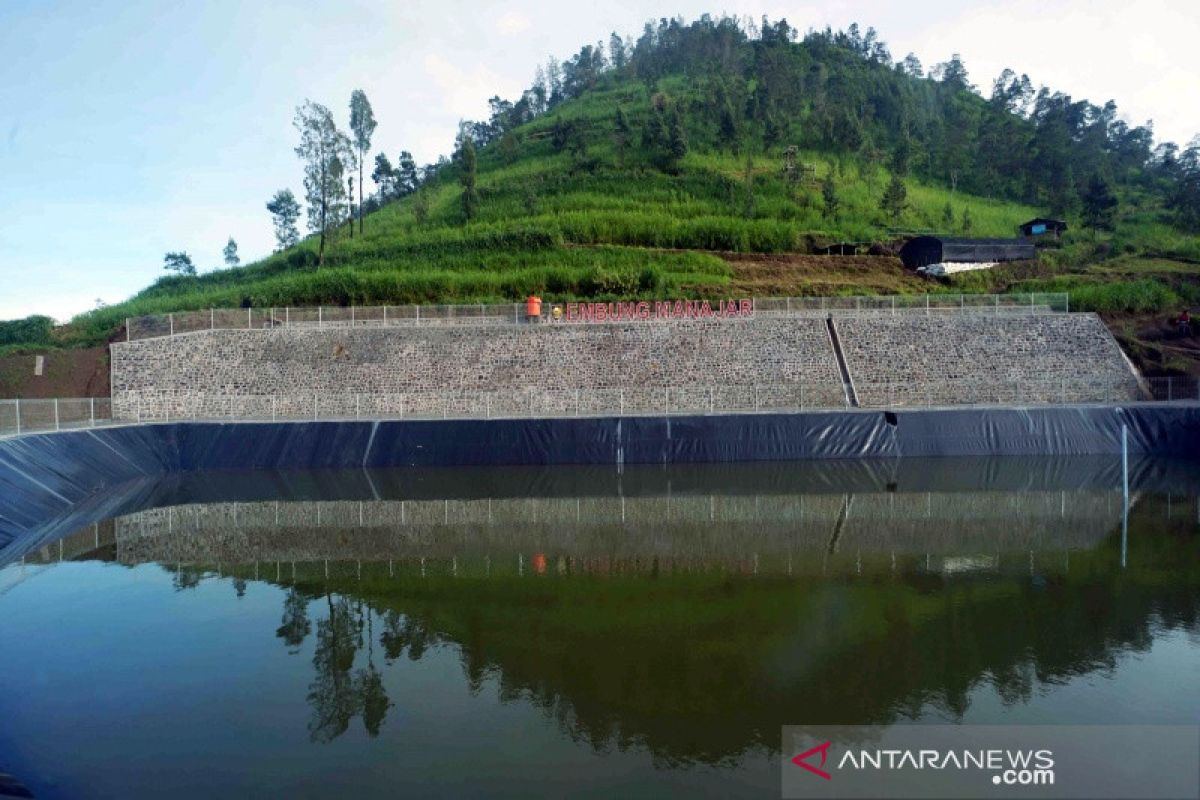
(337, 694)
(702, 666)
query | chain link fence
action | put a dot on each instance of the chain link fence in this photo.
(157, 325)
(29, 416)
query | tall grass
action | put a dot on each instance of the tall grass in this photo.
(595, 224)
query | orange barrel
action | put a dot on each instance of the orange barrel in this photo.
(539, 563)
(533, 306)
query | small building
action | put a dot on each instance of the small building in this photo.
(924, 251)
(1042, 226)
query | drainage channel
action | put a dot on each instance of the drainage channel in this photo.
(847, 383)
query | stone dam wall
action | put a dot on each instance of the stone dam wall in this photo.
(768, 362)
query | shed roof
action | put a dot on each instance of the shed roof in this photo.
(922, 251)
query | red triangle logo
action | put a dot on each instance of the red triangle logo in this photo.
(801, 760)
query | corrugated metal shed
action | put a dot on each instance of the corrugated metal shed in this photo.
(922, 251)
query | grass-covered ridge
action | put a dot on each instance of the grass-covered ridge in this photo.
(569, 210)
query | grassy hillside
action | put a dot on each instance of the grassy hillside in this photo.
(573, 225)
(568, 213)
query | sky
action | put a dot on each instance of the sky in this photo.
(129, 129)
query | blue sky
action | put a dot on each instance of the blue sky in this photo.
(128, 129)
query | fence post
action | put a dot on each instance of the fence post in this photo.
(357, 406)
(577, 401)
(19, 415)
(487, 406)
(320, 317)
(249, 318)
(171, 318)
(93, 411)
(351, 316)
(756, 397)
(667, 401)
(56, 413)
(418, 313)
(212, 319)
(622, 402)
(385, 316)
(127, 336)
(927, 305)
(1067, 297)
(287, 316)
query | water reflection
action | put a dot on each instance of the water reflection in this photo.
(689, 616)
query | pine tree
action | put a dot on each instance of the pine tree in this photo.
(384, 176)
(285, 211)
(179, 262)
(895, 198)
(830, 197)
(230, 253)
(1099, 205)
(362, 125)
(677, 146)
(470, 195)
(325, 151)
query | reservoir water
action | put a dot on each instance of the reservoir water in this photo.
(584, 631)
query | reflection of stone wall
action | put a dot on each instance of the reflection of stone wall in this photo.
(427, 363)
(916, 359)
(679, 526)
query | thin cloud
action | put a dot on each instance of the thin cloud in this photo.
(512, 23)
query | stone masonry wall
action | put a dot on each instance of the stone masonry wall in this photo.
(478, 370)
(690, 366)
(914, 359)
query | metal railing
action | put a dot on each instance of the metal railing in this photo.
(159, 325)
(30, 416)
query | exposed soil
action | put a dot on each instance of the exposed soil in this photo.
(67, 373)
(1157, 345)
(797, 275)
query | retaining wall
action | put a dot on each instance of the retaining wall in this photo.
(914, 359)
(654, 367)
(413, 370)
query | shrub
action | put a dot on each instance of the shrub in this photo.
(31, 330)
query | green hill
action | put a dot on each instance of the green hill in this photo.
(741, 152)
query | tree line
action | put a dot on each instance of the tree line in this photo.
(759, 88)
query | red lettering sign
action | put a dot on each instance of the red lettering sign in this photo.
(626, 311)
